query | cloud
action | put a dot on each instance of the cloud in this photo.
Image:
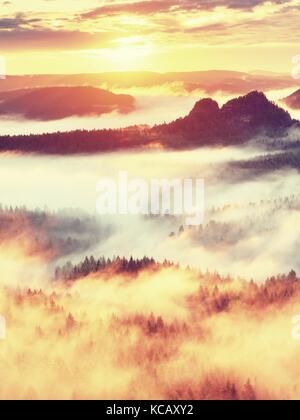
(142, 7)
(166, 6)
(193, 21)
(16, 22)
(40, 39)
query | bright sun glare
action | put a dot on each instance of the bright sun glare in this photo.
(126, 54)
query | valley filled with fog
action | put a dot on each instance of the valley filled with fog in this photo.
(245, 218)
(137, 298)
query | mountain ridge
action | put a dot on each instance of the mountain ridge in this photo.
(209, 81)
(235, 123)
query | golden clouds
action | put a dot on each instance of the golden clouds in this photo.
(167, 28)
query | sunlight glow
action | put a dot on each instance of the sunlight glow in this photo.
(127, 54)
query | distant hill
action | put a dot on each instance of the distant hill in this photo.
(53, 103)
(293, 101)
(210, 82)
(237, 122)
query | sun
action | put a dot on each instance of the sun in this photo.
(125, 54)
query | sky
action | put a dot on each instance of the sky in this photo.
(79, 36)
